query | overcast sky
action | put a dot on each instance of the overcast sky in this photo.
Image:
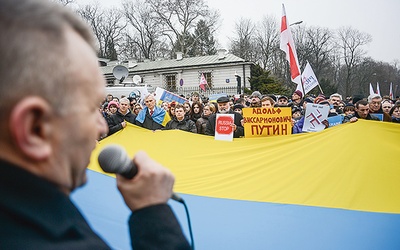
(377, 18)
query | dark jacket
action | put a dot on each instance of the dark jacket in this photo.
(201, 124)
(210, 127)
(369, 117)
(115, 120)
(148, 122)
(186, 125)
(35, 214)
(386, 116)
(298, 126)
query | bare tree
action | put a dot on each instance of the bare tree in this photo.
(243, 44)
(112, 30)
(107, 26)
(317, 48)
(350, 42)
(180, 18)
(267, 40)
(146, 30)
(64, 2)
(93, 15)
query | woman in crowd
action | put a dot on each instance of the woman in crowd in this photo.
(386, 105)
(137, 108)
(349, 109)
(196, 111)
(171, 109)
(188, 109)
(201, 123)
(395, 113)
(112, 108)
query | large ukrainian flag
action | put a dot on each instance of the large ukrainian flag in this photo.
(335, 189)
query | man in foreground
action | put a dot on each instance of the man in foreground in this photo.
(48, 62)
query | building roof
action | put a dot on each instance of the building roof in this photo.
(178, 64)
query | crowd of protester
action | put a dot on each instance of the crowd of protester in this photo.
(197, 114)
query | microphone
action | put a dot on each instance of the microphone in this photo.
(114, 159)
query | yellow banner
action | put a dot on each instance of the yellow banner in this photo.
(261, 122)
(350, 166)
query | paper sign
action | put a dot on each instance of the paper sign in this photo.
(261, 122)
(314, 116)
(335, 120)
(379, 116)
(223, 128)
(163, 95)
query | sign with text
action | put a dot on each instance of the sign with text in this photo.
(335, 120)
(163, 95)
(223, 127)
(260, 122)
(314, 116)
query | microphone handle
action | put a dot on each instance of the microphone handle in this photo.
(132, 170)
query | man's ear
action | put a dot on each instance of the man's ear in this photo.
(30, 127)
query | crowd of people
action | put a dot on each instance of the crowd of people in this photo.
(197, 114)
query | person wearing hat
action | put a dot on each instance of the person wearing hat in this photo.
(255, 99)
(297, 98)
(223, 108)
(238, 108)
(282, 101)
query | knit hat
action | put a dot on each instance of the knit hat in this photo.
(298, 92)
(238, 106)
(256, 94)
(113, 103)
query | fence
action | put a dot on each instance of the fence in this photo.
(187, 91)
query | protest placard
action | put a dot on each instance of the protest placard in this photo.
(314, 116)
(260, 122)
(223, 127)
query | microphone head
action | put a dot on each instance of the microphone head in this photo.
(114, 159)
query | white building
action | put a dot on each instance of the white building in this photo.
(182, 75)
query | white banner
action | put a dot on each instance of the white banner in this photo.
(309, 79)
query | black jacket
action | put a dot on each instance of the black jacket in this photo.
(186, 125)
(114, 121)
(210, 127)
(201, 124)
(34, 214)
(369, 117)
(149, 123)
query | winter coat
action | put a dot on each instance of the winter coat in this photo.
(186, 125)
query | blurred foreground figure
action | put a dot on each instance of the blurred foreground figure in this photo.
(48, 63)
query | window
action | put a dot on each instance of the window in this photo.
(170, 82)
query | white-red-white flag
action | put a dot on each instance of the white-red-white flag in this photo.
(371, 89)
(391, 91)
(287, 45)
(378, 91)
(309, 79)
(203, 82)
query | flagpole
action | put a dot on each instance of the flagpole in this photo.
(319, 86)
